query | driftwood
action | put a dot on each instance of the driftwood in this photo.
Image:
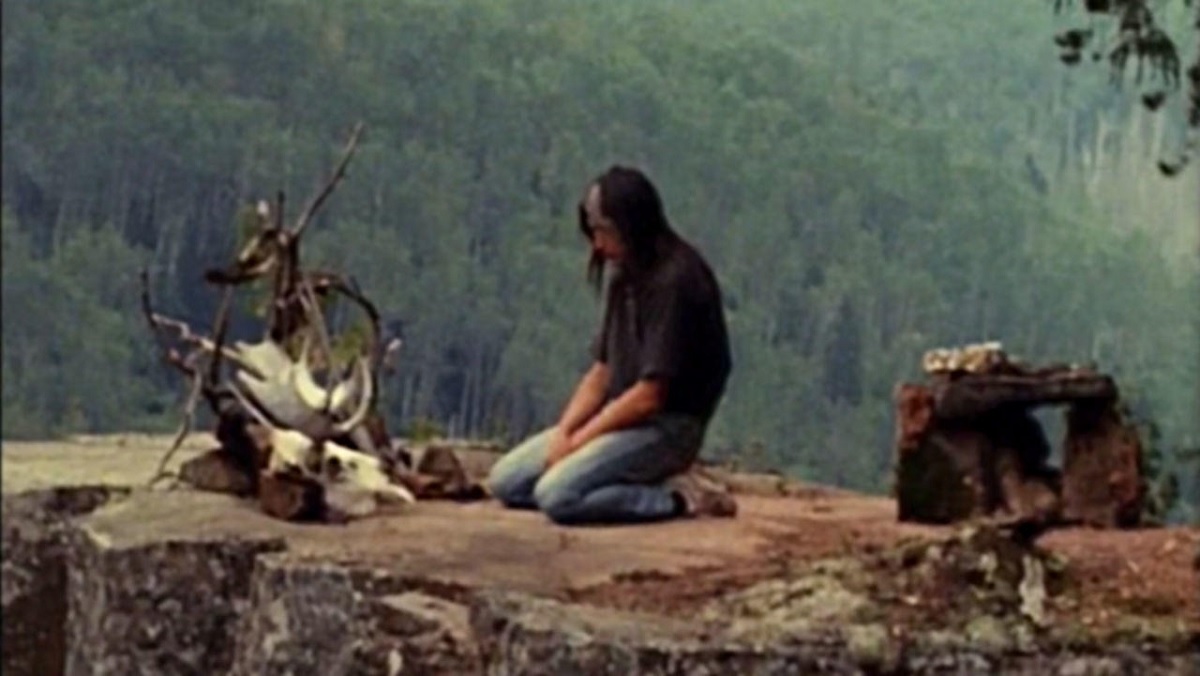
(968, 445)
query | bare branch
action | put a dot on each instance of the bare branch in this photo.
(148, 311)
(184, 333)
(185, 427)
(221, 327)
(338, 174)
(279, 211)
(308, 300)
(351, 291)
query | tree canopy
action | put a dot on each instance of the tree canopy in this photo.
(867, 183)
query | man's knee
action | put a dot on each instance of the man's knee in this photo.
(557, 500)
(512, 477)
(504, 483)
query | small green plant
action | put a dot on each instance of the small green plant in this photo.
(424, 429)
(753, 457)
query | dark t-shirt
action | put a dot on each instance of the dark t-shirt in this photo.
(671, 327)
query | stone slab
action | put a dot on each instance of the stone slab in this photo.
(473, 545)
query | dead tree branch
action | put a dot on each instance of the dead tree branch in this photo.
(295, 312)
(338, 174)
(185, 428)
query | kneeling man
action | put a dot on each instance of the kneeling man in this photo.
(634, 426)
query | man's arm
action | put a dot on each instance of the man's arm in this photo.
(635, 405)
(588, 396)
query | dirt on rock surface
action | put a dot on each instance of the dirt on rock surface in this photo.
(1106, 583)
(1116, 581)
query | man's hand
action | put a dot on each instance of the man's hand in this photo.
(559, 447)
(588, 397)
(632, 408)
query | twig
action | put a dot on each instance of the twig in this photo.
(338, 174)
(184, 332)
(205, 344)
(283, 324)
(274, 313)
(387, 365)
(148, 311)
(279, 211)
(351, 291)
(308, 300)
(220, 328)
(189, 412)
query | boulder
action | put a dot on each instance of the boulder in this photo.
(1102, 479)
(217, 471)
(419, 633)
(298, 618)
(941, 478)
(967, 446)
(36, 525)
(322, 617)
(141, 603)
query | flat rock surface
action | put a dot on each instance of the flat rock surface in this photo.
(480, 545)
(473, 544)
(116, 460)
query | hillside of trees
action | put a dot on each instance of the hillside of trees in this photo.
(868, 183)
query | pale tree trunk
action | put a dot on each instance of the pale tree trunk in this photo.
(1099, 157)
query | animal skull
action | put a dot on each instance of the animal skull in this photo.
(300, 418)
(353, 481)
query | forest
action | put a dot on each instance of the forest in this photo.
(868, 182)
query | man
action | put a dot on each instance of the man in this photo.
(634, 426)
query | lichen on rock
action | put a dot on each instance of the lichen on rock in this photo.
(323, 617)
(165, 606)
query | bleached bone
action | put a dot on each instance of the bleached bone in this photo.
(353, 480)
(278, 397)
(315, 397)
(266, 356)
(357, 387)
(292, 397)
(973, 358)
(388, 360)
(288, 447)
(271, 384)
(351, 476)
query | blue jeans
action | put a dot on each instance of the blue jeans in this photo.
(616, 478)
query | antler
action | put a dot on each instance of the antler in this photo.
(273, 380)
(291, 397)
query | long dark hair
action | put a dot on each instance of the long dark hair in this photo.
(629, 199)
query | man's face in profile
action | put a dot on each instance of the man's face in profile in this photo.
(605, 238)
